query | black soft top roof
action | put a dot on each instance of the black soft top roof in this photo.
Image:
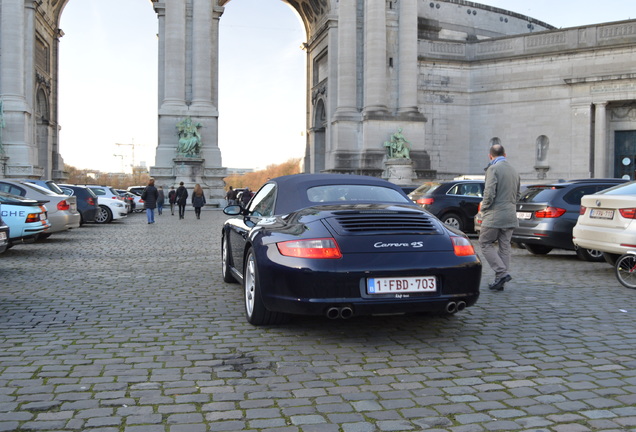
(292, 189)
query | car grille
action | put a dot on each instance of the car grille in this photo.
(384, 222)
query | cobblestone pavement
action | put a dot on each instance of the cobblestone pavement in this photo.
(128, 327)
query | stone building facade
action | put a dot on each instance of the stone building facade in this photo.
(453, 75)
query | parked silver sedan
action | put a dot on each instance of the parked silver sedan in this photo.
(62, 209)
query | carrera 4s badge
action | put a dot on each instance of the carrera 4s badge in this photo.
(415, 244)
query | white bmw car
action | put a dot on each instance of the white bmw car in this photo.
(608, 221)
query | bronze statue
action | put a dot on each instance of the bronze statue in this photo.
(398, 147)
(189, 138)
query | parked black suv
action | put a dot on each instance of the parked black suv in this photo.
(454, 202)
(547, 214)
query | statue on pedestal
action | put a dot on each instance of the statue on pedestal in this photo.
(189, 138)
(398, 147)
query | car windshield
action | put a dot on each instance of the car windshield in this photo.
(349, 193)
(538, 194)
(623, 189)
(426, 188)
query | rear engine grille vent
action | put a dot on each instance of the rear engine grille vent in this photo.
(373, 223)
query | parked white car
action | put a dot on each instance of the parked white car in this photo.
(111, 205)
(608, 221)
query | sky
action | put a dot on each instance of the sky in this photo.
(108, 78)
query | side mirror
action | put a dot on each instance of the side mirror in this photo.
(233, 210)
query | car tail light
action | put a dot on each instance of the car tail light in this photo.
(63, 205)
(425, 201)
(33, 217)
(582, 210)
(549, 212)
(628, 213)
(90, 201)
(321, 248)
(462, 246)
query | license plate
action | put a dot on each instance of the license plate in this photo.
(401, 285)
(601, 214)
(3, 236)
(42, 216)
(524, 215)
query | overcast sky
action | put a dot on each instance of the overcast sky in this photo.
(108, 77)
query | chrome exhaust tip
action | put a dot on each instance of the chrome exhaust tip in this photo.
(451, 307)
(346, 312)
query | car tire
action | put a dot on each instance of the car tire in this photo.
(104, 215)
(255, 310)
(537, 249)
(453, 220)
(590, 255)
(610, 258)
(226, 270)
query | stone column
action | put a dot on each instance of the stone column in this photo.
(160, 10)
(347, 35)
(202, 23)
(407, 57)
(601, 147)
(12, 44)
(375, 62)
(175, 54)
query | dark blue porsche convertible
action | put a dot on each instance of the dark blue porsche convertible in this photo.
(342, 246)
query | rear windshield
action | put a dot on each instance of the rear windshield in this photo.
(349, 193)
(426, 188)
(14, 199)
(538, 194)
(623, 189)
(38, 188)
(54, 187)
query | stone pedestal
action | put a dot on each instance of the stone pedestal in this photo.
(190, 171)
(399, 171)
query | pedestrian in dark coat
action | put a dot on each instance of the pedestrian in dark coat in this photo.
(172, 199)
(182, 199)
(246, 197)
(198, 200)
(150, 196)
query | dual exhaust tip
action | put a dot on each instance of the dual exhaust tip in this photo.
(344, 312)
(452, 307)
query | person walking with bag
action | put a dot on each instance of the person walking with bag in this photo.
(150, 196)
(499, 215)
(198, 200)
(182, 199)
(172, 199)
(160, 199)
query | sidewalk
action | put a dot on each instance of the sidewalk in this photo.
(128, 327)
